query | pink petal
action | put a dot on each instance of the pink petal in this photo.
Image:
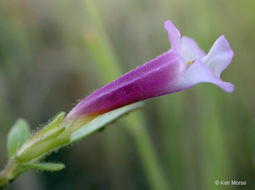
(199, 72)
(174, 36)
(190, 50)
(219, 57)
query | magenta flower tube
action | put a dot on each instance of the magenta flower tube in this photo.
(181, 67)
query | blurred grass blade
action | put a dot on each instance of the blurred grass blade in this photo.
(101, 121)
(44, 166)
(109, 68)
(18, 134)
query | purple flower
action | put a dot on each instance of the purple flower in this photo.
(181, 67)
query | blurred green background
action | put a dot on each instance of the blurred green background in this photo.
(49, 55)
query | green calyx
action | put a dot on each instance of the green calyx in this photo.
(44, 141)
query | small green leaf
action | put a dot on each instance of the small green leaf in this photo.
(101, 121)
(18, 134)
(47, 166)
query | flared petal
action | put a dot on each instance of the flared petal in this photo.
(219, 57)
(174, 36)
(199, 72)
(190, 50)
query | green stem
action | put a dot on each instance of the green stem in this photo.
(9, 174)
(107, 64)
